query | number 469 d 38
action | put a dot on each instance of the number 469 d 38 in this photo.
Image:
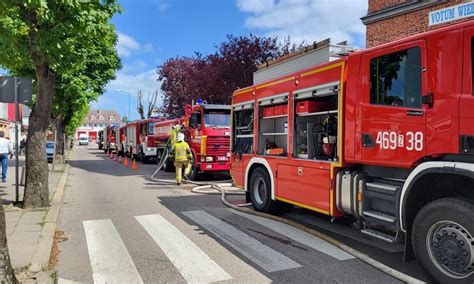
(391, 140)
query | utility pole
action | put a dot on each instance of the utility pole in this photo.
(17, 162)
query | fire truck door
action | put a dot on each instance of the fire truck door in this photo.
(392, 113)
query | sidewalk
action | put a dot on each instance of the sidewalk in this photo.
(24, 227)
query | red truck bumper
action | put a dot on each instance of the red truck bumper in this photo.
(215, 167)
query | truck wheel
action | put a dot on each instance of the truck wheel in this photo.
(261, 192)
(142, 157)
(443, 239)
(168, 166)
(193, 174)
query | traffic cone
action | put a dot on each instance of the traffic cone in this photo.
(125, 162)
(134, 165)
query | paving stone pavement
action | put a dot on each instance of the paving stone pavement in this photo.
(23, 226)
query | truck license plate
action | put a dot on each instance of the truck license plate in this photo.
(221, 158)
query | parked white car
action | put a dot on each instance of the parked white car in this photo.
(83, 139)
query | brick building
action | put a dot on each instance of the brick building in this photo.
(389, 20)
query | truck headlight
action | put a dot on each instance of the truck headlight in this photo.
(228, 155)
(148, 149)
(209, 159)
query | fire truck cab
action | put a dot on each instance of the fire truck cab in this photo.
(109, 138)
(140, 139)
(121, 139)
(383, 135)
(207, 131)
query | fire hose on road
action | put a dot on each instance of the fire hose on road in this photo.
(220, 189)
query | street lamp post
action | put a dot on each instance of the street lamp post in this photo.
(129, 95)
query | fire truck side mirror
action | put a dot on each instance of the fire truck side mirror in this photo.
(193, 122)
(428, 100)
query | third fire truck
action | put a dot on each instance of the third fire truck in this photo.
(384, 136)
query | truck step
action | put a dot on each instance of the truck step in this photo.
(382, 187)
(380, 216)
(379, 235)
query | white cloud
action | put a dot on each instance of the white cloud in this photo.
(308, 20)
(147, 47)
(144, 81)
(253, 6)
(134, 66)
(126, 45)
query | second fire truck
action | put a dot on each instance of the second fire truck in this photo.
(207, 131)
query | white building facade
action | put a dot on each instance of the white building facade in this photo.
(96, 120)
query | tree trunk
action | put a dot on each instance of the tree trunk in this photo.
(60, 136)
(36, 190)
(6, 271)
(69, 142)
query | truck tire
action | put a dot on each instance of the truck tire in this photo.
(443, 239)
(261, 192)
(142, 157)
(193, 174)
(168, 166)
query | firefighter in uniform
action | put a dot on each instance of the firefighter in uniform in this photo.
(182, 157)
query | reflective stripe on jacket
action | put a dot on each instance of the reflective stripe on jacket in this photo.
(182, 152)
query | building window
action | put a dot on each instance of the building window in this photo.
(101, 117)
(395, 79)
(92, 117)
(112, 117)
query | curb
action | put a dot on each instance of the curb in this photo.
(43, 251)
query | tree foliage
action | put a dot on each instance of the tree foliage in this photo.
(64, 45)
(216, 76)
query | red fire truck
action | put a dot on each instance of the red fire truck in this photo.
(120, 138)
(109, 138)
(384, 136)
(140, 139)
(207, 131)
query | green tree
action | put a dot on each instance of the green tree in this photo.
(75, 90)
(52, 40)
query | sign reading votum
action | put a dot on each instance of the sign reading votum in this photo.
(452, 13)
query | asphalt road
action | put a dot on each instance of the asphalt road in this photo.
(122, 228)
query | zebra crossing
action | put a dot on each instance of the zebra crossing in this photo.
(111, 262)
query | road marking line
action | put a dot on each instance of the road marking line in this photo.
(262, 255)
(299, 236)
(110, 260)
(193, 264)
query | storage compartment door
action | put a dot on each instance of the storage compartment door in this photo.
(307, 186)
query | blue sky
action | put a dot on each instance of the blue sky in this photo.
(151, 31)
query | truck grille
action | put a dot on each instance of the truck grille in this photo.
(217, 146)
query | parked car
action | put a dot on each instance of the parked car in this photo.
(83, 139)
(50, 150)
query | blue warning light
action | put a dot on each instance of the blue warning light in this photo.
(199, 101)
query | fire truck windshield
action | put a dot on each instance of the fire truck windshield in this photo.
(217, 118)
